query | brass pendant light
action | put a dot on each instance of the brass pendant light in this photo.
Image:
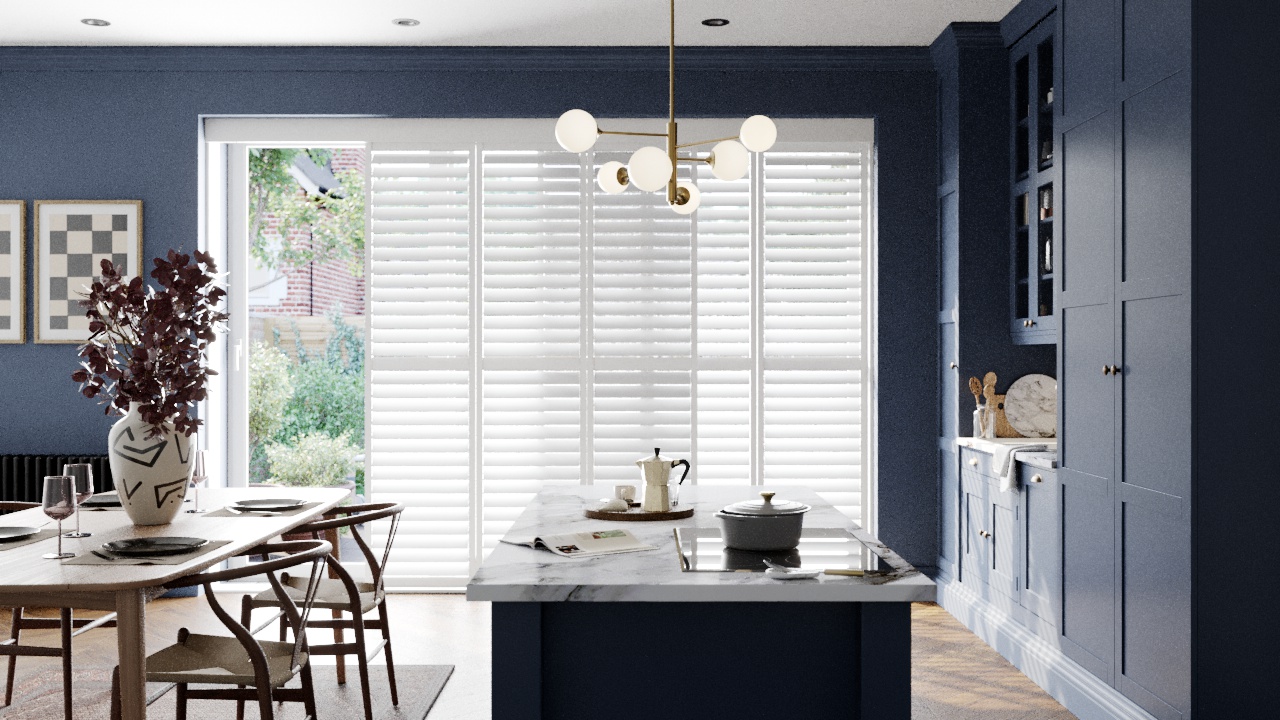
(652, 168)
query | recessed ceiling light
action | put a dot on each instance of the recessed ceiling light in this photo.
(715, 22)
(95, 22)
(406, 22)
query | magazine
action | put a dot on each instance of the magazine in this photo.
(586, 544)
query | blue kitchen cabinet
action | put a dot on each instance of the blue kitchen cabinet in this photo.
(1041, 557)
(1087, 37)
(1155, 42)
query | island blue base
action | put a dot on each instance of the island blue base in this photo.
(647, 660)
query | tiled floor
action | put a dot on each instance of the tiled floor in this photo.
(955, 676)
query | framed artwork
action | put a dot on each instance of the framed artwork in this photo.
(72, 239)
(13, 240)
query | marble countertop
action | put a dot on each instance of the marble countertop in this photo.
(1046, 460)
(514, 573)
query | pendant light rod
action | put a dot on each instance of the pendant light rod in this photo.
(707, 142)
(671, 68)
(619, 132)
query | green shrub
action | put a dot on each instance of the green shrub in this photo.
(314, 459)
(270, 389)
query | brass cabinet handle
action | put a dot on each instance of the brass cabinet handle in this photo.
(953, 365)
(984, 533)
(973, 462)
(1031, 323)
(1106, 369)
(1036, 478)
(1115, 369)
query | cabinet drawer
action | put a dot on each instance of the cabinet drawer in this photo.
(975, 461)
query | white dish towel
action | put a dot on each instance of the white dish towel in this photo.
(1004, 462)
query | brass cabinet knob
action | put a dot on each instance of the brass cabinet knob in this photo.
(1115, 369)
(984, 533)
(973, 462)
(1036, 478)
(954, 365)
(1031, 323)
(1106, 369)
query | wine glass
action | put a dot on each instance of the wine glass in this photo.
(59, 503)
(199, 475)
(83, 473)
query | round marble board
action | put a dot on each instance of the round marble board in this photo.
(1031, 405)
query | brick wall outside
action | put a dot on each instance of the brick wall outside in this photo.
(315, 289)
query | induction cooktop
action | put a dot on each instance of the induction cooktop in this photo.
(702, 550)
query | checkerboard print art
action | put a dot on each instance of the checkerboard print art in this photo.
(12, 269)
(73, 239)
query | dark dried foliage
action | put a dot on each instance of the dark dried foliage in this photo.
(151, 346)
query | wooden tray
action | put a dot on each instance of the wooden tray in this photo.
(638, 515)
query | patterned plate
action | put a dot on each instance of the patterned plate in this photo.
(1031, 406)
(151, 547)
(9, 534)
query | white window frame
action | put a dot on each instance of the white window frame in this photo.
(223, 208)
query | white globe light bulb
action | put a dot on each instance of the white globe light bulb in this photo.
(649, 168)
(608, 177)
(576, 131)
(729, 160)
(758, 133)
(695, 199)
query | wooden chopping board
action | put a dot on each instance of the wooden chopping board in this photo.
(1003, 428)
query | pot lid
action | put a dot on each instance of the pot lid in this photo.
(766, 506)
(655, 457)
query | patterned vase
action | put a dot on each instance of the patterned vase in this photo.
(151, 474)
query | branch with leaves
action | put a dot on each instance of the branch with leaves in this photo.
(310, 227)
(151, 346)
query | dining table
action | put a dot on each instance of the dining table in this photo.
(29, 580)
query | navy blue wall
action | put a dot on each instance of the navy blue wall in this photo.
(123, 123)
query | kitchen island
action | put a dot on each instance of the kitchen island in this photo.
(637, 636)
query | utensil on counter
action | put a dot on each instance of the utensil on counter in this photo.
(259, 513)
(975, 387)
(656, 473)
(782, 572)
(762, 525)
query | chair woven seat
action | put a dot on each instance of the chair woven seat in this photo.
(220, 660)
(332, 595)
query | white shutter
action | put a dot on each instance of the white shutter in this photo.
(641, 347)
(531, 272)
(419, 381)
(813, 305)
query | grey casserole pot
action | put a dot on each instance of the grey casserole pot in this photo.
(762, 525)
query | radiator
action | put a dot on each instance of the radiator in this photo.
(21, 475)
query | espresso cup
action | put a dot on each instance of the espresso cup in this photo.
(625, 492)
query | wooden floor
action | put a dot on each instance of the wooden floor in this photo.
(954, 675)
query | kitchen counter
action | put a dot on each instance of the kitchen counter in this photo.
(1046, 460)
(513, 573)
(633, 637)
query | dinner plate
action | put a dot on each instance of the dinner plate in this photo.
(150, 547)
(107, 500)
(9, 534)
(268, 504)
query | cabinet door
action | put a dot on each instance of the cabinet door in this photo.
(1087, 627)
(1041, 543)
(1087, 36)
(1156, 41)
(1004, 543)
(975, 557)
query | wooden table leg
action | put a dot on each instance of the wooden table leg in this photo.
(131, 637)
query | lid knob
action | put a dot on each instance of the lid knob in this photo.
(768, 496)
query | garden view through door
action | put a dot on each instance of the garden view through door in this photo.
(306, 307)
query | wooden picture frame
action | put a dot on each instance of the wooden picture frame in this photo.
(72, 237)
(13, 271)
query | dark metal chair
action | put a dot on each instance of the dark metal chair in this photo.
(66, 622)
(343, 595)
(258, 669)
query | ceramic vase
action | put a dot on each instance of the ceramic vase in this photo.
(151, 472)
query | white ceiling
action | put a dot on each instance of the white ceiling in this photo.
(486, 22)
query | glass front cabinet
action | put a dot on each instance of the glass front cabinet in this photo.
(1032, 256)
